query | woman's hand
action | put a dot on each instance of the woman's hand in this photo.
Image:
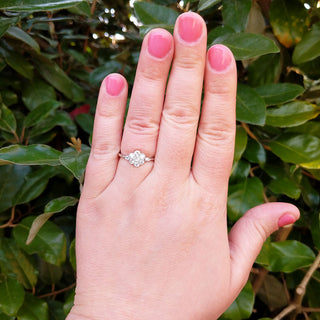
(152, 241)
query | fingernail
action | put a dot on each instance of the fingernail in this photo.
(114, 84)
(159, 45)
(220, 57)
(285, 220)
(190, 28)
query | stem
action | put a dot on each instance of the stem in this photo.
(9, 223)
(285, 312)
(57, 291)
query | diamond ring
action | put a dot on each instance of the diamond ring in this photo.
(136, 158)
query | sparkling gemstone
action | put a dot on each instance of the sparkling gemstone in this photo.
(136, 158)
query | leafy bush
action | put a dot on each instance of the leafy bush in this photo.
(53, 55)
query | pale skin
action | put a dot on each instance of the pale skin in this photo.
(152, 242)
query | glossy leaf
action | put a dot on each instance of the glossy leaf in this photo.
(235, 13)
(54, 206)
(240, 143)
(19, 64)
(289, 21)
(277, 93)
(52, 73)
(289, 255)
(37, 5)
(30, 155)
(291, 114)
(5, 317)
(311, 128)
(315, 229)
(49, 243)
(11, 296)
(49, 273)
(5, 24)
(75, 161)
(250, 106)
(85, 121)
(14, 261)
(151, 13)
(247, 45)
(12, 178)
(296, 148)
(23, 36)
(264, 70)
(309, 47)
(240, 171)
(72, 254)
(243, 196)
(41, 112)
(9, 97)
(206, 4)
(7, 119)
(242, 307)
(255, 152)
(36, 92)
(34, 184)
(33, 309)
(97, 75)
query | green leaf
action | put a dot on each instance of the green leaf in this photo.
(288, 256)
(5, 317)
(49, 243)
(265, 69)
(18, 63)
(151, 13)
(76, 161)
(56, 310)
(309, 47)
(85, 121)
(69, 302)
(291, 114)
(255, 152)
(7, 119)
(315, 229)
(12, 178)
(297, 149)
(250, 106)
(277, 93)
(59, 118)
(34, 184)
(310, 195)
(83, 8)
(235, 13)
(5, 24)
(218, 32)
(242, 307)
(206, 4)
(33, 309)
(240, 143)
(54, 206)
(243, 196)
(49, 273)
(98, 74)
(240, 171)
(37, 5)
(311, 128)
(289, 20)
(36, 92)
(52, 73)
(21, 35)
(11, 296)
(9, 97)
(72, 254)
(30, 155)
(41, 112)
(13, 261)
(247, 45)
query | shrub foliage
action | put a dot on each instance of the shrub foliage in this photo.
(54, 54)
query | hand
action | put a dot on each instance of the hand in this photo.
(152, 241)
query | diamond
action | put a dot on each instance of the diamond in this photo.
(136, 158)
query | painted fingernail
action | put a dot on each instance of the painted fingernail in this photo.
(220, 57)
(285, 220)
(159, 44)
(114, 84)
(190, 28)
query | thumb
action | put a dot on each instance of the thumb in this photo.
(249, 233)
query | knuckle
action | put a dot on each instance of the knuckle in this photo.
(221, 133)
(191, 61)
(181, 114)
(141, 124)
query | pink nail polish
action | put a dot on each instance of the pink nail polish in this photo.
(285, 220)
(190, 27)
(159, 44)
(114, 84)
(219, 57)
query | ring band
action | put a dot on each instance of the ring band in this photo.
(136, 158)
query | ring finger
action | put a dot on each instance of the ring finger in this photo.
(142, 123)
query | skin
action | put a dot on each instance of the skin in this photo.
(152, 242)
